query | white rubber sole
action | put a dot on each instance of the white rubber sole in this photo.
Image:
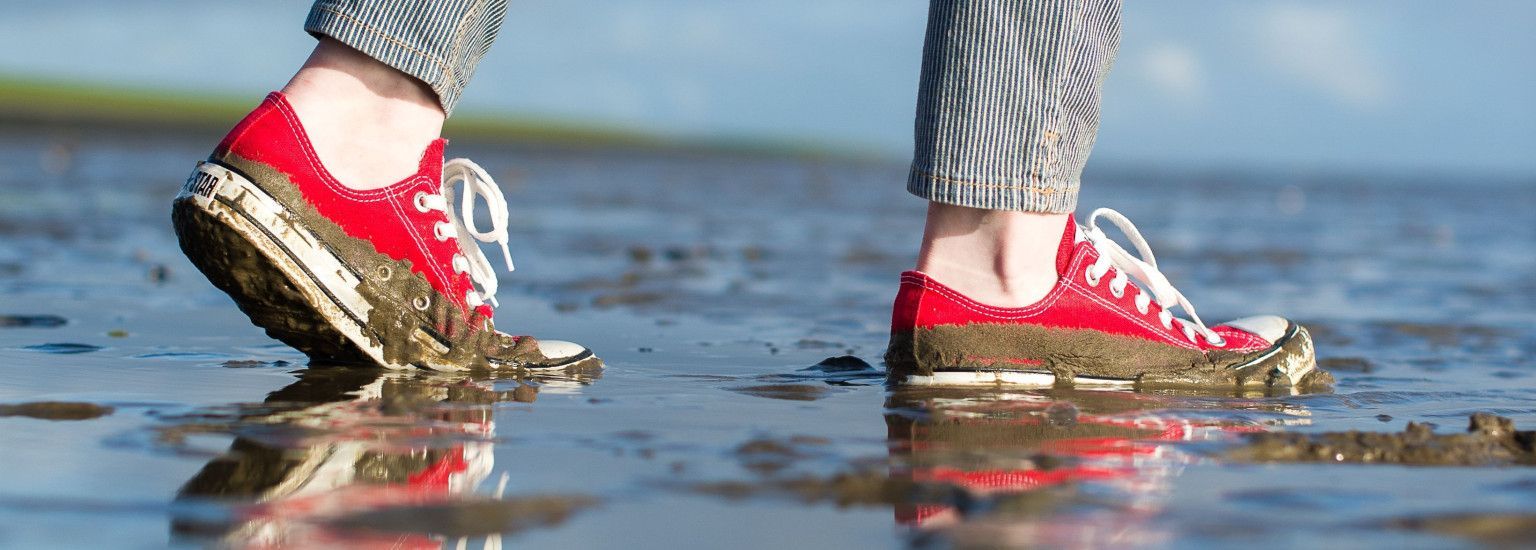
(1298, 365)
(1008, 378)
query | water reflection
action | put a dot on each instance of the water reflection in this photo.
(361, 458)
(345, 457)
(1053, 468)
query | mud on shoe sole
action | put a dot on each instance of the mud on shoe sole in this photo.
(937, 357)
(295, 285)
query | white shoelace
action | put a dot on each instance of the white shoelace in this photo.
(461, 225)
(1145, 270)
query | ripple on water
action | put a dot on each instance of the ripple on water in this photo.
(253, 364)
(63, 348)
(787, 392)
(56, 410)
(184, 356)
(32, 321)
(1499, 530)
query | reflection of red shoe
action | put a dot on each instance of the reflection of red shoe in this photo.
(361, 457)
(1130, 454)
(390, 276)
(1094, 327)
(1074, 469)
(349, 479)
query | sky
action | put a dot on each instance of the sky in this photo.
(1399, 86)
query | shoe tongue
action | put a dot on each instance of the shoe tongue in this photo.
(1068, 242)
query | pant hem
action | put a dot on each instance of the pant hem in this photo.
(387, 49)
(1054, 197)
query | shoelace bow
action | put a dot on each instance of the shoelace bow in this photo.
(461, 226)
(1144, 269)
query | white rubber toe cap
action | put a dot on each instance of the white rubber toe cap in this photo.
(1268, 327)
(560, 349)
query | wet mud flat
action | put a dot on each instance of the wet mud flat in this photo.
(742, 305)
(1489, 441)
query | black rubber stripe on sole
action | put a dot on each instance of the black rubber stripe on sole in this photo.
(302, 267)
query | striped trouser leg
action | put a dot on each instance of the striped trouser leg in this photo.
(1008, 105)
(436, 41)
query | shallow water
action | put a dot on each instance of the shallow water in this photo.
(717, 289)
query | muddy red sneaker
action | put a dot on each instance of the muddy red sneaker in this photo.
(1093, 328)
(391, 277)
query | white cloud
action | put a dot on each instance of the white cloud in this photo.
(1320, 47)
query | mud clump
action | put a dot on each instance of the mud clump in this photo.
(1496, 530)
(840, 364)
(1490, 440)
(767, 456)
(525, 393)
(586, 370)
(627, 299)
(252, 364)
(56, 410)
(1447, 335)
(767, 447)
(788, 446)
(470, 518)
(31, 321)
(1346, 364)
(841, 370)
(812, 343)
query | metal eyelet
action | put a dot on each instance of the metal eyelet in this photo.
(1088, 276)
(421, 201)
(1119, 294)
(385, 272)
(421, 303)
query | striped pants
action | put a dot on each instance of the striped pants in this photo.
(1007, 107)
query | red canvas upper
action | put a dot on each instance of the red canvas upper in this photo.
(386, 217)
(923, 302)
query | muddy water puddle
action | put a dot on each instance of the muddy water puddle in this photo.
(741, 305)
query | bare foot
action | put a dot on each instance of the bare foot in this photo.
(999, 258)
(368, 122)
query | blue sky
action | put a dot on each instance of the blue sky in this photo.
(1405, 86)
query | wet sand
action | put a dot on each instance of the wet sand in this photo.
(1488, 441)
(741, 304)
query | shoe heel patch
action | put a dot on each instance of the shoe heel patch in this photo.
(201, 183)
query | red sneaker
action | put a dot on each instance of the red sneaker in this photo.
(389, 276)
(1093, 328)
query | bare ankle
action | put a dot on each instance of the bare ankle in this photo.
(368, 122)
(1000, 258)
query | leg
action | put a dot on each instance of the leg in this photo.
(342, 94)
(1009, 289)
(1007, 111)
(390, 71)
